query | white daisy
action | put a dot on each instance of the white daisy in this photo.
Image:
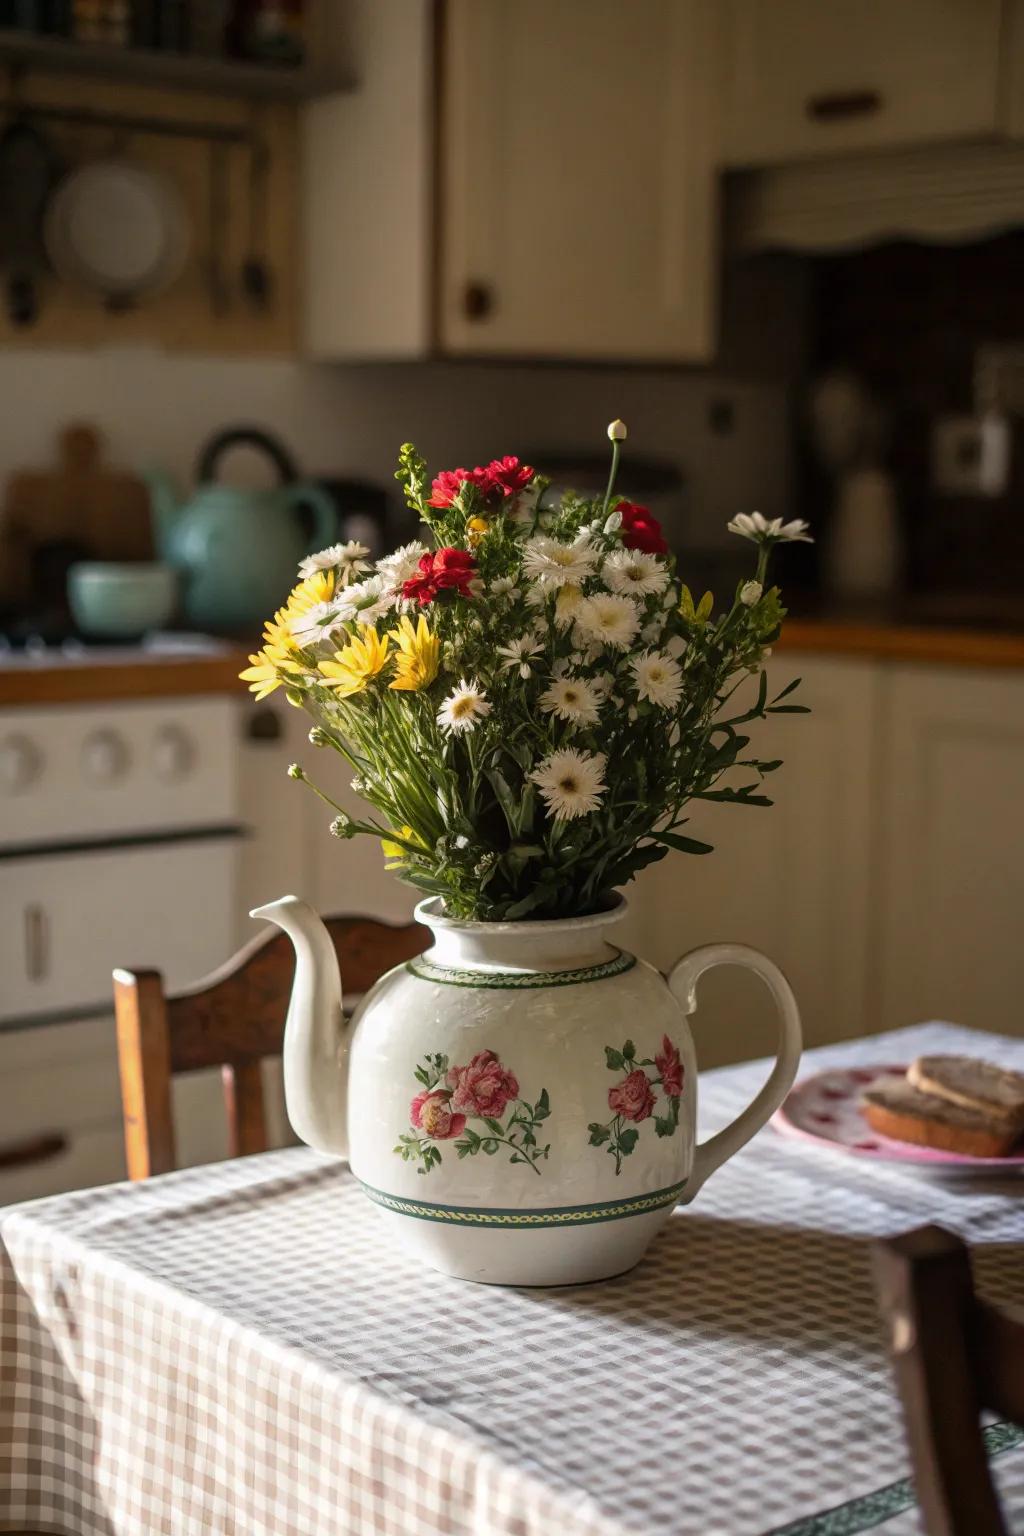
(573, 699)
(463, 707)
(366, 601)
(350, 560)
(571, 783)
(658, 678)
(504, 586)
(608, 619)
(396, 568)
(754, 526)
(634, 572)
(317, 623)
(519, 655)
(553, 563)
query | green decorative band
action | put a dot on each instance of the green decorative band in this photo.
(451, 976)
(559, 1216)
(872, 1509)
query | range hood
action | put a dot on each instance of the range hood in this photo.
(952, 194)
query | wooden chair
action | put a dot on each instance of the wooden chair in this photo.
(231, 1019)
(953, 1356)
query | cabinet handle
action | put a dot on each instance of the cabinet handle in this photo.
(837, 106)
(36, 1149)
(477, 301)
(37, 948)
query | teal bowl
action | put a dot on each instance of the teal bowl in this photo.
(121, 601)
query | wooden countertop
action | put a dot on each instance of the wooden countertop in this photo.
(137, 676)
(140, 676)
(928, 644)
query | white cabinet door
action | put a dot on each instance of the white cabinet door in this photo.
(792, 879)
(367, 211)
(951, 847)
(813, 77)
(578, 194)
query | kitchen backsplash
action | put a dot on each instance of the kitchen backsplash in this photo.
(729, 439)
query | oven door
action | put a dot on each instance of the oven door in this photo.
(68, 918)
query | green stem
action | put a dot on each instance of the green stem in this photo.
(616, 451)
(522, 1151)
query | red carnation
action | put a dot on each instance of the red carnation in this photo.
(446, 570)
(640, 530)
(449, 483)
(507, 475)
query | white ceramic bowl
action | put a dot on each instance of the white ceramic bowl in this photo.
(121, 601)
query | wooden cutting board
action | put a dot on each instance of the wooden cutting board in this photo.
(80, 501)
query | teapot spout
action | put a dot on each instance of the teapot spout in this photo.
(165, 509)
(315, 1042)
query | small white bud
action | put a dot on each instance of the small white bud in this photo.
(750, 593)
(613, 522)
(617, 431)
(295, 772)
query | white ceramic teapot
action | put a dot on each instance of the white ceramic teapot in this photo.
(521, 1100)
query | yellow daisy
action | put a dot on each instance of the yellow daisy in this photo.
(317, 588)
(475, 530)
(275, 659)
(418, 656)
(395, 851)
(359, 661)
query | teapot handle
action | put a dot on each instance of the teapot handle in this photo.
(682, 979)
(254, 437)
(325, 513)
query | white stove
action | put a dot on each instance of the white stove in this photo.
(119, 828)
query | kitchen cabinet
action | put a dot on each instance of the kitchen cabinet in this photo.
(951, 868)
(794, 881)
(583, 229)
(888, 879)
(804, 78)
(586, 227)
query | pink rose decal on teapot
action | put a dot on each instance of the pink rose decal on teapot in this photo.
(635, 1099)
(485, 1091)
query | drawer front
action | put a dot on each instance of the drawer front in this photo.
(97, 771)
(810, 78)
(67, 920)
(88, 1155)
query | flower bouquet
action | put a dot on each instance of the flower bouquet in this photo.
(530, 700)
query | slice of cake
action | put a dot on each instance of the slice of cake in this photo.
(975, 1084)
(892, 1106)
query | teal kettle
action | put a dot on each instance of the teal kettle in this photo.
(237, 550)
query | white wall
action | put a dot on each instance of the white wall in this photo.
(158, 408)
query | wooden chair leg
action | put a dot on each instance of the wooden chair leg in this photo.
(927, 1294)
(144, 1059)
(243, 1100)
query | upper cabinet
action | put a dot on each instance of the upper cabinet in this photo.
(577, 179)
(516, 178)
(807, 78)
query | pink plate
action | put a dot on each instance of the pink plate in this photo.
(825, 1109)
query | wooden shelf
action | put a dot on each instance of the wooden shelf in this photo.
(174, 71)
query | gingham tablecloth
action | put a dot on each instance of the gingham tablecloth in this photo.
(232, 1351)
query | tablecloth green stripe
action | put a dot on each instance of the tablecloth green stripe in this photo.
(869, 1511)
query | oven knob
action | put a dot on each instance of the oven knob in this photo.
(104, 757)
(20, 762)
(173, 753)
